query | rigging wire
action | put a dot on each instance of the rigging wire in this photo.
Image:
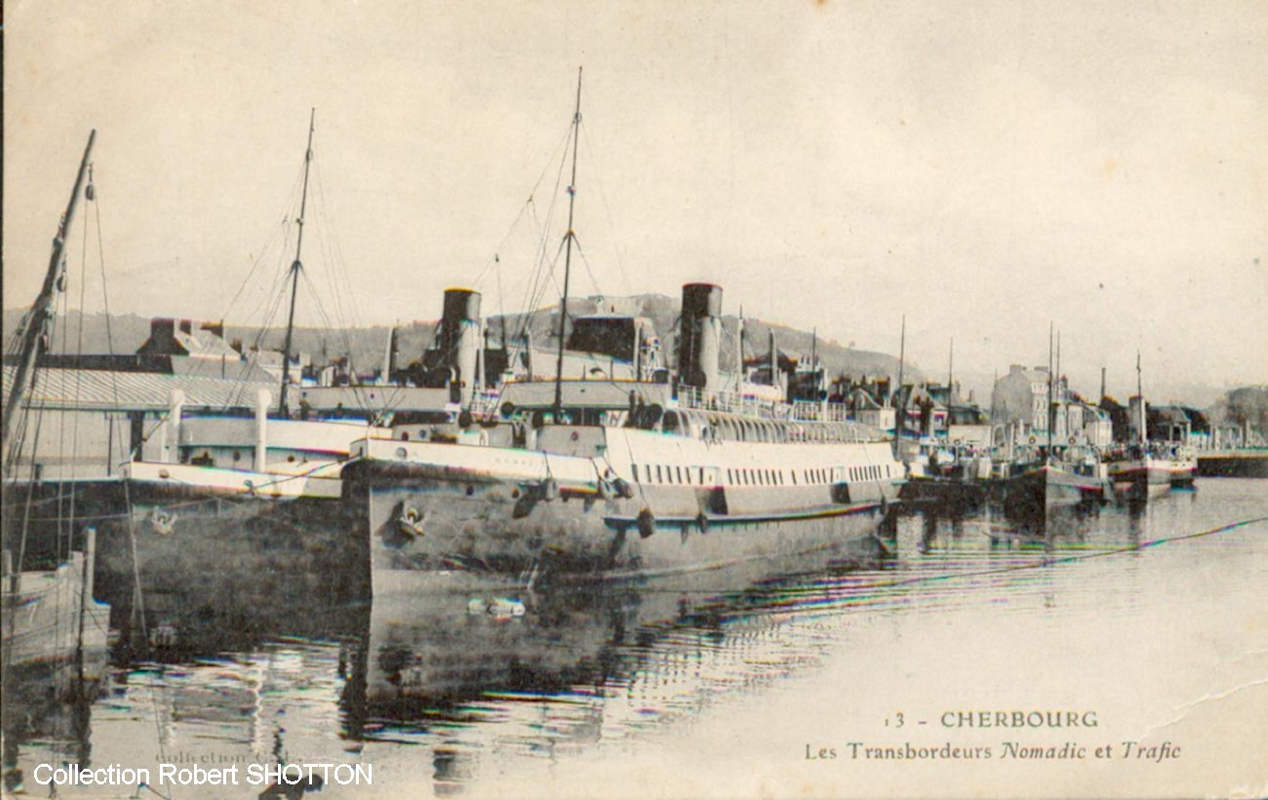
(560, 147)
(607, 209)
(535, 287)
(138, 597)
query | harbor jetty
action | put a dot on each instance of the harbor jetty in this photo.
(1244, 463)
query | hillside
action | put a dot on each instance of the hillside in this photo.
(366, 344)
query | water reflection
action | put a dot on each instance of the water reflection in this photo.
(443, 691)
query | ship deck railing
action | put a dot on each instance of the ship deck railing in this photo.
(695, 399)
(827, 421)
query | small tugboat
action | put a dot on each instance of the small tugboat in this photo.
(1052, 475)
(1183, 466)
(1032, 489)
(1139, 471)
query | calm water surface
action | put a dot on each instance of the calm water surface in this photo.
(685, 689)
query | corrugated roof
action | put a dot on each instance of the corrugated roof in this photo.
(95, 389)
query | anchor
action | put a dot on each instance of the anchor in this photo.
(410, 522)
(162, 521)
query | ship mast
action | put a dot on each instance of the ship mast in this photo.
(1049, 415)
(296, 267)
(1060, 391)
(568, 237)
(898, 393)
(1140, 393)
(41, 313)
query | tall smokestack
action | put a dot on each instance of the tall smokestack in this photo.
(460, 338)
(701, 336)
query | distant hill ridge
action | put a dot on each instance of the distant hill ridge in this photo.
(366, 344)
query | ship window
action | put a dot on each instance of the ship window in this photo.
(729, 479)
(659, 479)
(793, 473)
(634, 469)
(680, 478)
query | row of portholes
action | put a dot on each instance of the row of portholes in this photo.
(870, 472)
(205, 458)
(696, 476)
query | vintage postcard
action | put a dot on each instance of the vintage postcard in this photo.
(602, 399)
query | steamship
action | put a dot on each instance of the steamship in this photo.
(577, 479)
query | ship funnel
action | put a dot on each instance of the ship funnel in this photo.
(460, 340)
(701, 336)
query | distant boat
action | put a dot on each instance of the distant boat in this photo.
(1138, 474)
(1183, 466)
(1056, 474)
(1138, 471)
(1031, 491)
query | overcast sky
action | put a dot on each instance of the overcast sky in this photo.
(982, 168)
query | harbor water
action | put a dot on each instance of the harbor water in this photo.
(1116, 651)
